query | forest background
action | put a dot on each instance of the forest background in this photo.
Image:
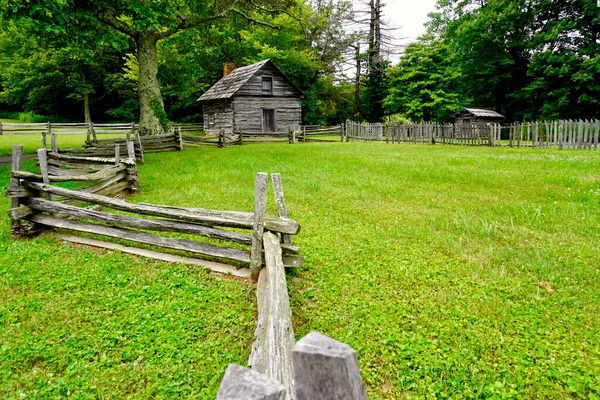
(126, 60)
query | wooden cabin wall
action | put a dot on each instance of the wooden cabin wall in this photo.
(223, 117)
(281, 87)
(248, 112)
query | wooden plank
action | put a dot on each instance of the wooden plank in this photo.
(155, 255)
(103, 174)
(261, 184)
(53, 142)
(143, 237)
(282, 210)
(18, 213)
(139, 223)
(105, 183)
(231, 219)
(326, 369)
(272, 351)
(243, 383)
(17, 159)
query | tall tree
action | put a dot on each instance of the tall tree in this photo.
(425, 85)
(146, 23)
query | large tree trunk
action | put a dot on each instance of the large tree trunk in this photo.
(87, 116)
(151, 102)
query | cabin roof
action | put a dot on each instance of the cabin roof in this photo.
(230, 84)
(479, 112)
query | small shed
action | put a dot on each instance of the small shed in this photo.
(255, 98)
(468, 116)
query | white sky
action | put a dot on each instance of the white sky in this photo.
(409, 16)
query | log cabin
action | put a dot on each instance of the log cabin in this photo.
(468, 116)
(254, 98)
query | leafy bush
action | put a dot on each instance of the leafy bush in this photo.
(30, 117)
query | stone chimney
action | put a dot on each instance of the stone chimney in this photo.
(228, 68)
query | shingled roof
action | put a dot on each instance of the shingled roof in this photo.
(480, 112)
(228, 85)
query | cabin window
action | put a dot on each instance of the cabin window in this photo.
(210, 119)
(268, 120)
(267, 85)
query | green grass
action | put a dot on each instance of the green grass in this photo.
(31, 143)
(453, 271)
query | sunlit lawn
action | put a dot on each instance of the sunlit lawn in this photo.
(453, 271)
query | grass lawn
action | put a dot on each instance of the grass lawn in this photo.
(453, 271)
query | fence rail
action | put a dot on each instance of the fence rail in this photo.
(37, 194)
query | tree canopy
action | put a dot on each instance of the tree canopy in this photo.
(130, 60)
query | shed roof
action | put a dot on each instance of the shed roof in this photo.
(228, 85)
(480, 112)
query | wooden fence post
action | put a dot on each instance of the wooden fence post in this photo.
(43, 160)
(243, 383)
(17, 158)
(117, 154)
(130, 148)
(53, 143)
(326, 369)
(139, 141)
(43, 140)
(341, 132)
(93, 131)
(282, 210)
(0, 128)
(260, 208)
(220, 140)
(290, 135)
(179, 139)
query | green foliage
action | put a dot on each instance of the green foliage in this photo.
(425, 84)
(160, 113)
(35, 118)
(525, 59)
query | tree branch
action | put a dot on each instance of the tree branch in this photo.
(275, 11)
(112, 21)
(187, 23)
(256, 21)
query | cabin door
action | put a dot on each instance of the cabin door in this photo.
(268, 120)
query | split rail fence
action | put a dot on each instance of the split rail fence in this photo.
(312, 133)
(315, 367)
(33, 195)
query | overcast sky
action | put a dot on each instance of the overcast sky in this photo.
(409, 16)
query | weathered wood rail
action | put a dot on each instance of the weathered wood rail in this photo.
(38, 201)
(95, 176)
(323, 368)
(316, 133)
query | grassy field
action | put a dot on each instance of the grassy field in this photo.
(453, 271)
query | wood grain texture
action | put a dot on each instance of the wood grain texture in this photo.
(156, 255)
(326, 369)
(142, 237)
(280, 204)
(272, 351)
(139, 223)
(261, 184)
(243, 383)
(231, 219)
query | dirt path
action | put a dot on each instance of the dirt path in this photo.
(7, 160)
